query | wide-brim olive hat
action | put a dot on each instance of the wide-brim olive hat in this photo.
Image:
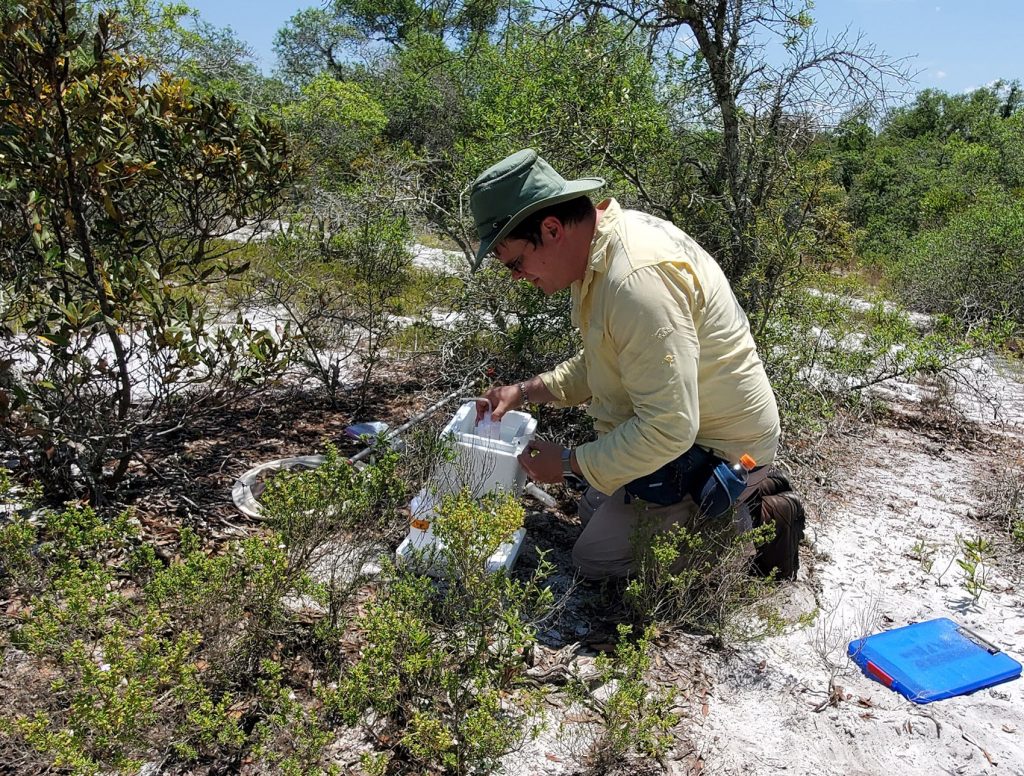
(518, 185)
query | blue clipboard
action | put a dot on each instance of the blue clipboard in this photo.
(932, 660)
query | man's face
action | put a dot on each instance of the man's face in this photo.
(543, 265)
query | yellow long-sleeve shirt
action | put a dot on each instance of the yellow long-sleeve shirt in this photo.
(667, 359)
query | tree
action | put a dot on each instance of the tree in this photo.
(315, 41)
(217, 64)
(113, 193)
(399, 21)
(170, 37)
(332, 124)
(586, 97)
(585, 94)
(934, 158)
(937, 194)
(745, 118)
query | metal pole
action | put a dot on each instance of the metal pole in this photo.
(389, 435)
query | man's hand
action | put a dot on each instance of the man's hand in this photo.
(502, 398)
(543, 461)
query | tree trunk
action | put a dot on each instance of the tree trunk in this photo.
(74, 200)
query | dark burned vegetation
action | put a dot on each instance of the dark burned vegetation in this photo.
(203, 268)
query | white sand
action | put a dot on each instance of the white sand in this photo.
(899, 488)
(901, 499)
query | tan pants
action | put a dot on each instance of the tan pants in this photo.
(605, 548)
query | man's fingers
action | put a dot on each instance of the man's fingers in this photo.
(481, 409)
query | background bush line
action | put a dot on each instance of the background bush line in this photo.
(344, 148)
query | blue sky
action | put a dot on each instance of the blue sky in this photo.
(956, 47)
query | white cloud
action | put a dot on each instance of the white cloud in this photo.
(940, 73)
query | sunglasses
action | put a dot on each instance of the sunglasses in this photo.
(514, 266)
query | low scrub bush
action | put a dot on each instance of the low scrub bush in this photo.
(333, 519)
(508, 327)
(636, 719)
(104, 673)
(233, 600)
(441, 673)
(701, 579)
(971, 268)
(1004, 502)
(339, 287)
(118, 654)
(825, 350)
(291, 736)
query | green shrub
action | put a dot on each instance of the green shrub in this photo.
(309, 506)
(702, 580)
(332, 520)
(290, 737)
(636, 718)
(233, 600)
(825, 348)
(509, 326)
(127, 655)
(19, 563)
(339, 279)
(971, 268)
(113, 184)
(37, 551)
(441, 671)
(118, 662)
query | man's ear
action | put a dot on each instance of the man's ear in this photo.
(552, 228)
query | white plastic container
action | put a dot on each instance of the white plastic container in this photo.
(485, 457)
(484, 460)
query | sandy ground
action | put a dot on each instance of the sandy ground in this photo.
(885, 528)
(885, 541)
(884, 533)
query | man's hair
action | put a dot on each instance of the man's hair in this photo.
(570, 212)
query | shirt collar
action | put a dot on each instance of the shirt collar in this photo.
(602, 234)
(598, 260)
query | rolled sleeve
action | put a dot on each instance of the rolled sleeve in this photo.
(651, 329)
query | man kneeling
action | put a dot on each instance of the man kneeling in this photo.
(668, 364)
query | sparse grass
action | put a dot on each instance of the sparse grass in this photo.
(426, 291)
(434, 240)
